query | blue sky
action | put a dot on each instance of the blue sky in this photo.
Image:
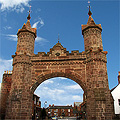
(63, 17)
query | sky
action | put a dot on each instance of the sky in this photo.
(63, 17)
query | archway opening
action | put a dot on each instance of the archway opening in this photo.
(60, 93)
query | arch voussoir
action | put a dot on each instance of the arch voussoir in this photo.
(68, 74)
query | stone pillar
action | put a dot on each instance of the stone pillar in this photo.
(4, 92)
(99, 99)
(19, 104)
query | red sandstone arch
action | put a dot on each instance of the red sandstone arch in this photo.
(71, 75)
(30, 70)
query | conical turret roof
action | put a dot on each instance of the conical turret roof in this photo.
(91, 23)
(27, 27)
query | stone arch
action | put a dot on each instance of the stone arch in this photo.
(87, 68)
(71, 75)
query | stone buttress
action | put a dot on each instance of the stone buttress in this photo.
(88, 69)
(19, 105)
(99, 99)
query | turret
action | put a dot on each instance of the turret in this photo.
(20, 98)
(26, 38)
(92, 34)
(98, 97)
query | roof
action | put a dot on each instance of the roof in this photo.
(91, 24)
(57, 49)
(36, 95)
(77, 103)
(27, 27)
(114, 88)
(60, 107)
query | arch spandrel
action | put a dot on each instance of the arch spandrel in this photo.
(87, 68)
(67, 74)
(58, 62)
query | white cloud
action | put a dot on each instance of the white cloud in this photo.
(77, 98)
(47, 93)
(59, 93)
(7, 27)
(14, 5)
(48, 82)
(4, 66)
(38, 24)
(41, 22)
(41, 40)
(12, 37)
(35, 24)
(75, 87)
(63, 78)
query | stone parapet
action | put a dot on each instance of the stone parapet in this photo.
(41, 56)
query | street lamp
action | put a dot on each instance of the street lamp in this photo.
(45, 104)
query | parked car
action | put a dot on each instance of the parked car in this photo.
(54, 118)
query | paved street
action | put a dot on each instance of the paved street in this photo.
(69, 118)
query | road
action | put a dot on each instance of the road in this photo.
(69, 118)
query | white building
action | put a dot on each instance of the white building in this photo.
(116, 96)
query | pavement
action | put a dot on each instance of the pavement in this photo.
(67, 119)
(71, 118)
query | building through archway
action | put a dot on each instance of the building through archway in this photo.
(61, 95)
(87, 68)
(59, 91)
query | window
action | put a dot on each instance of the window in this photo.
(68, 110)
(38, 102)
(35, 100)
(119, 102)
(56, 110)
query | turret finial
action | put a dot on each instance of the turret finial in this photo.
(89, 13)
(29, 13)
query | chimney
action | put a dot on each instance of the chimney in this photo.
(119, 77)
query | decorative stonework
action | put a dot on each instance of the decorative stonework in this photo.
(87, 68)
(16, 95)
